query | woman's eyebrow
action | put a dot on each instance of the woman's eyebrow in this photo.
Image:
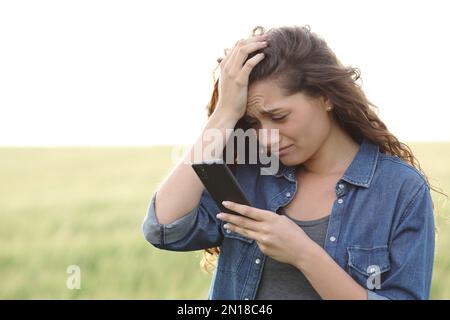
(270, 111)
(264, 111)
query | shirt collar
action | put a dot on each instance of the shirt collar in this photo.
(360, 171)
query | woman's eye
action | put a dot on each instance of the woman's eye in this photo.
(278, 118)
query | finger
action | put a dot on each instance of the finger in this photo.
(223, 60)
(248, 67)
(230, 54)
(251, 39)
(242, 42)
(243, 222)
(243, 231)
(242, 53)
(247, 211)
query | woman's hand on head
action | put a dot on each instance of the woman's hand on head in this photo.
(234, 75)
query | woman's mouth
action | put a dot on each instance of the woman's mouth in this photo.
(283, 151)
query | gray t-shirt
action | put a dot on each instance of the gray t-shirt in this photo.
(282, 281)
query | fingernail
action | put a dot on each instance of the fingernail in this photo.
(219, 215)
(226, 225)
(226, 203)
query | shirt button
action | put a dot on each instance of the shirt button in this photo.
(340, 201)
(288, 194)
(257, 261)
(341, 186)
(246, 299)
(332, 238)
(228, 231)
(371, 270)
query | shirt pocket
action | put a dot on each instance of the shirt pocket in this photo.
(368, 265)
(235, 248)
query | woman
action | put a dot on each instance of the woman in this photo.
(348, 215)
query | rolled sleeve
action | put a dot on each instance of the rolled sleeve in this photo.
(196, 230)
(160, 234)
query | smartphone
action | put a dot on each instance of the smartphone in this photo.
(220, 183)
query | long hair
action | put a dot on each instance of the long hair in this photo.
(298, 60)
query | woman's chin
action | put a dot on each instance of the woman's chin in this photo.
(288, 160)
(291, 159)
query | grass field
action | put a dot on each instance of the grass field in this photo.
(84, 207)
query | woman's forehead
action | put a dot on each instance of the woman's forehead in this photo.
(254, 105)
(259, 104)
(263, 97)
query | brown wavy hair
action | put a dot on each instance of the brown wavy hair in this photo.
(298, 60)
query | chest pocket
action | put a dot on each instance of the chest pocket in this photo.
(235, 248)
(368, 265)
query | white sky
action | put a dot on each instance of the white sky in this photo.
(140, 72)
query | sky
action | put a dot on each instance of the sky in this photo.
(139, 73)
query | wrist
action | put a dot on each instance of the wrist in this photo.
(225, 115)
(309, 252)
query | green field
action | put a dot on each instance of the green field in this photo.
(84, 207)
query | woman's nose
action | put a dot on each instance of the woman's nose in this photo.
(269, 138)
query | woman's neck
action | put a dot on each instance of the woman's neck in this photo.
(334, 155)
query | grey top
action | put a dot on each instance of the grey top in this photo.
(282, 281)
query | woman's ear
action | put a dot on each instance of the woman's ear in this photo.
(327, 103)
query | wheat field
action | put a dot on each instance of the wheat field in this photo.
(84, 206)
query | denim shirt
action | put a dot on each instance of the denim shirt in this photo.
(381, 228)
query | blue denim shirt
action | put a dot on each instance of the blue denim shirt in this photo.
(381, 225)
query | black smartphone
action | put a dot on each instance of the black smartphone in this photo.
(220, 183)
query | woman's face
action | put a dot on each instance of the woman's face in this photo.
(303, 122)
